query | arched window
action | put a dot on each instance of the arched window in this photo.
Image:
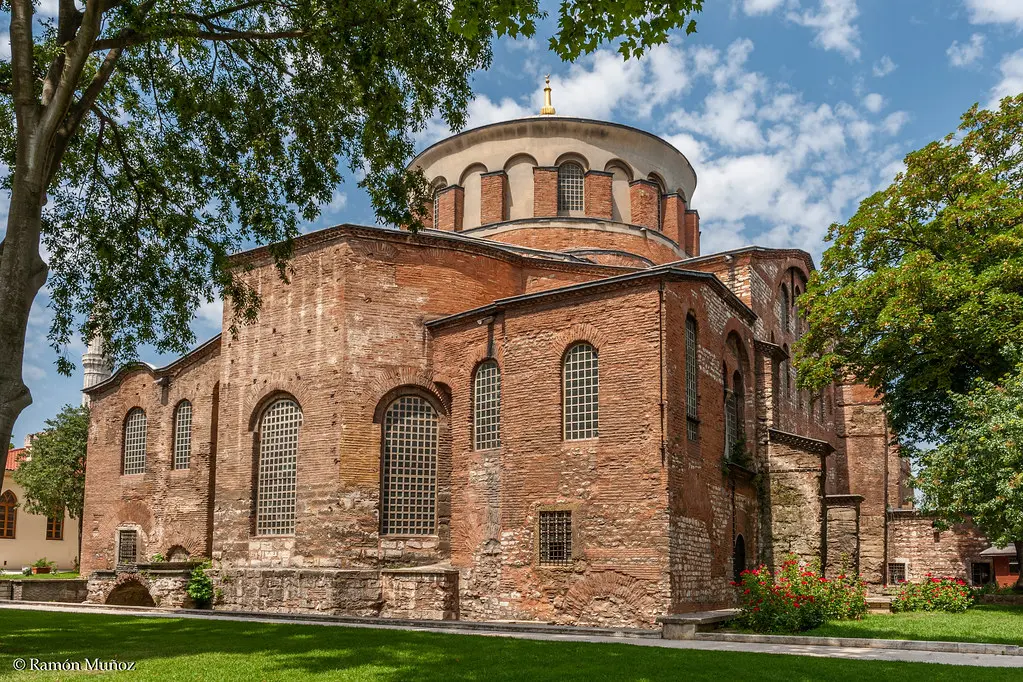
(436, 209)
(487, 406)
(8, 515)
(738, 413)
(692, 377)
(731, 426)
(183, 435)
(278, 466)
(408, 486)
(738, 557)
(785, 305)
(570, 187)
(581, 383)
(134, 442)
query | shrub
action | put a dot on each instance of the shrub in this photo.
(797, 598)
(948, 594)
(200, 586)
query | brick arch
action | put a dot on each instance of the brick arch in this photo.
(135, 513)
(188, 541)
(783, 273)
(385, 388)
(257, 396)
(130, 589)
(575, 157)
(630, 597)
(579, 332)
(745, 339)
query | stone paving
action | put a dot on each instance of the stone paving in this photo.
(848, 652)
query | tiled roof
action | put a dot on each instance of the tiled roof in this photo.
(13, 455)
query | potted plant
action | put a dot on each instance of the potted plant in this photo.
(43, 566)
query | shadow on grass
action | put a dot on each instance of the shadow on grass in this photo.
(201, 649)
(985, 623)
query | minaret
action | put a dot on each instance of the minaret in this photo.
(548, 108)
(96, 366)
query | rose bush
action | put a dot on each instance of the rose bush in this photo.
(796, 598)
(948, 594)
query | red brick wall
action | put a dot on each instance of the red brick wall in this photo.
(452, 203)
(169, 507)
(597, 195)
(644, 195)
(545, 191)
(692, 233)
(674, 219)
(563, 238)
(493, 203)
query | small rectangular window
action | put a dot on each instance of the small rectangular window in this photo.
(1013, 567)
(980, 573)
(555, 538)
(127, 547)
(54, 528)
(896, 572)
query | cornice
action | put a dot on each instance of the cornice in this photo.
(812, 445)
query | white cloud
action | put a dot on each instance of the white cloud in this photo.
(1011, 83)
(834, 23)
(893, 123)
(5, 46)
(884, 66)
(754, 7)
(209, 318)
(967, 53)
(996, 12)
(873, 102)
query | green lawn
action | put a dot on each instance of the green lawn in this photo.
(186, 649)
(982, 623)
(64, 575)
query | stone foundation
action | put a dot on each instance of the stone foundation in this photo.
(66, 591)
(144, 586)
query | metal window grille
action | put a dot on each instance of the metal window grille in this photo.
(54, 528)
(436, 210)
(8, 514)
(487, 406)
(278, 460)
(980, 573)
(581, 392)
(183, 435)
(555, 538)
(409, 480)
(731, 423)
(570, 187)
(784, 309)
(692, 369)
(896, 572)
(127, 546)
(135, 442)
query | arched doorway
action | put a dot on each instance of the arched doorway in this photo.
(130, 593)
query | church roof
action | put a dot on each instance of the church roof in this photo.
(13, 458)
(166, 370)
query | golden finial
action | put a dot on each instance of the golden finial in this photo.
(548, 108)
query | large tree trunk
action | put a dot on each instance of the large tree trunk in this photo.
(1018, 587)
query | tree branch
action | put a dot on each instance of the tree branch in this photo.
(130, 38)
(21, 51)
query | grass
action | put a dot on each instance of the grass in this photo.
(63, 575)
(191, 649)
(982, 623)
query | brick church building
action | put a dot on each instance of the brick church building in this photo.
(550, 405)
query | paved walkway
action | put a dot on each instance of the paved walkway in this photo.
(853, 653)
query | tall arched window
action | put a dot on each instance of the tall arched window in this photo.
(183, 435)
(739, 391)
(436, 209)
(487, 406)
(581, 384)
(692, 376)
(8, 515)
(278, 467)
(408, 485)
(570, 187)
(731, 426)
(785, 305)
(134, 461)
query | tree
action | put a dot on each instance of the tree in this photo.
(976, 473)
(922, 288)
(53, 476)
(149, 139)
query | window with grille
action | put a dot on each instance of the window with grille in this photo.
(127, 546)
(135, 442)
(581, 392)
(54, 528)
(692, 376)
(487, 406)
(436, 210)
(8, 515)
(408, 495)
(980, 573)
(570, 187)
(739, 394)
(896, 572)
(183, 435)
(731, 425)
(784, 308)
(278, 462)
(555, 538)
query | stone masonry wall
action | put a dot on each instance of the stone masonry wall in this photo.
(913, 539)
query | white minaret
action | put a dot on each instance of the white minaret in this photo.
(96, 365)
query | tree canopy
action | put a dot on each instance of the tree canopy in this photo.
(53, 474)
(923, 287)
(146, 140)
(976, 473)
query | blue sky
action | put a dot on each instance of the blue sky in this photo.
(791, 112)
